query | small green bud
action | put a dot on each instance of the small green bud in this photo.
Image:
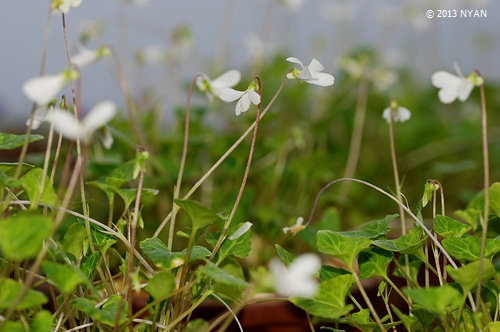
(70, 74)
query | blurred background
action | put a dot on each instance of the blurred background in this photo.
(375, 50)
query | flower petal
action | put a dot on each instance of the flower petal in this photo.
(315, 66)
(229, 95)
(295, 60)
(254, 97)
(43, 89)
(98, 116)
(464, 90)
(84, 58)
(107, 139)
(226, 80)
(38, 117)
(65, 123)
(443, 79)
(243, 104)
(447, 95)
(403, 114)
(321, 79)
(387, 114)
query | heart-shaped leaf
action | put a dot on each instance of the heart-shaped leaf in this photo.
(329, 272)
(330, 300)
(373, 229)
(373, 262)
(467, 275)
(31, 183)
(468, 248)
(337, 245)
(216, 274)
(75, 240)
(436, 299)
(408, 244)
(42, 322)
(162, 284)
(64, 277)
(10, 289)
(11, 141)
(22, 235)
(448, 227)
(199, 214)
(158, 253)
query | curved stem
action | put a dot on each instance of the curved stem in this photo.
(418, 221)
(222, 158)
(183, 161)
(245, 177)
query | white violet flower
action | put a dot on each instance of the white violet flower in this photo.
(295, 228)
(310, 74)
(43, 89)
(298, 279)
(66, 124)
(399, 114)
(455, 86)
(245, 98)
(63, 6)
(215, 87)
(86, 56)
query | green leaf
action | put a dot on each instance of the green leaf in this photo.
(468, 248)
(362, 319)
(411, 243)
(129, 195)
(467, 275)
(408, 321)
(42, 322)
(239, 246)
(330, 300)
(158, 253)
(102, 240)
(493, 327)
(11, 141)
(10, 168)
(197, 325)
(7, 181)
(105, 187)
(84, 305)
(329, 272)
(374, 262)
(89, 265)
(121, 175)
(31, 183)
(428, 192)
(229, 292)
(199, 214)
(362, 316)
(425, 317)
(337, 245)
(216, 274)
(284, 255)
(10, 289)
(75, 241)
(22, 235)
(64, 277)
(436, 299)
(107, 315)
(13, 327)
(372, 230)
(448, 227)
(495, 198)
(473, 212)
(162, 284)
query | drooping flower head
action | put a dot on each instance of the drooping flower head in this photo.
(310, 74)
(245, 98)
(295, 228)
(298, 278)
(63, 6)
(43, 89)
(86, 56)
(72, 128)
(215, 87)
(455, 86)
(399, 114)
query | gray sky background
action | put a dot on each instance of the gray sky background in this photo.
(397, 27)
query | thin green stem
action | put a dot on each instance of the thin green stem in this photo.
(188, 311)
(396, 288)
(486, 169)
(245, 177)
(368, 302)
(222, 158)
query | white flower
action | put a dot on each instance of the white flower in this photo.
(294, 5)
(298, 279)
(86, 56)
(245, 98)
(310, 74)
(295, 228)
(43, 89)
(215, 87)
(400, 114)
(63, 6)
(66, 124)
(454, 86)
(38, 117)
